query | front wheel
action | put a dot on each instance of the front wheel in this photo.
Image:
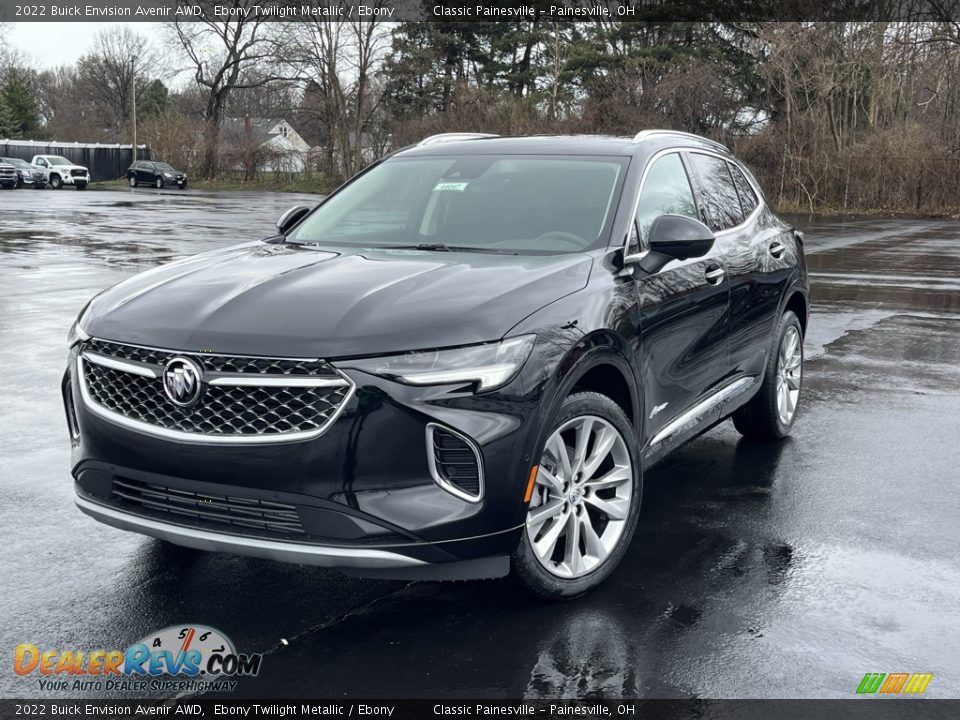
(81, 186)
(55, 182)
(585, 501)
(132, 180)
(771, 413)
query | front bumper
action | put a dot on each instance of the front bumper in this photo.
(75, 179)
(363, 491)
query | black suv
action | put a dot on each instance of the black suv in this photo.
(456, 365)
(157, 174)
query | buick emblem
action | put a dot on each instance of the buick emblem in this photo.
(181, 381)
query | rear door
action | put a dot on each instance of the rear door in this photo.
(757, 263)
(683, 312)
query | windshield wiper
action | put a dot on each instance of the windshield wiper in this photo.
(443, 247)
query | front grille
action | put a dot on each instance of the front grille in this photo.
(456, 462)
(78, 173)
(250, 411)
(8, 173)
(208, 509)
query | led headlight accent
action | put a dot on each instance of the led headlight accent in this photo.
(490, 366)
(76, 334)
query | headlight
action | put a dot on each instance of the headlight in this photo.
(490, 366)
(76, 334)
(167, 175)
(26, 174)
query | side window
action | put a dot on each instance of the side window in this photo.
(41, 162)
(748, 198)
(718, 194)
(666, 191)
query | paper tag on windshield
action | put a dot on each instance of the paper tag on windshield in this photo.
(451, 186)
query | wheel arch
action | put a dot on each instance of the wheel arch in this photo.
(598, 362)
(796, 300)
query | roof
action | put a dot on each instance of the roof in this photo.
(564, 145)
(259, 127)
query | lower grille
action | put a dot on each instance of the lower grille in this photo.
(207, 508)
(240, 398)
(455, 463)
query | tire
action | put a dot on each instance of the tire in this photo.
(542, 572)
(81, 186)
(132, 180)
(182, 186)
(55, 182)
(761, 418)
(19, 183)
(158, 184)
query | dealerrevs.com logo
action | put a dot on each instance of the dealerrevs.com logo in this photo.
(178, 658)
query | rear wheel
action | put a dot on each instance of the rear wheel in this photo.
(159, 183)
(771, 413)
(585, 502)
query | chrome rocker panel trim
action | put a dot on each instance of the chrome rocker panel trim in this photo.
(695, 414)
(319, 555)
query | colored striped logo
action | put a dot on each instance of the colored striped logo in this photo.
(894, 683)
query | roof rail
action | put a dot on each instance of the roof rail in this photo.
(453, 137)
(646, 134)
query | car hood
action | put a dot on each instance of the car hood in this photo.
(68, 167)
(294, 301)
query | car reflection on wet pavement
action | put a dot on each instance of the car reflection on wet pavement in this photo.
(783, 570)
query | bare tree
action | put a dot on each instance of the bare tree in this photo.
(106, 75)
(226, 57)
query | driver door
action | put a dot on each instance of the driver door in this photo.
(683, 313)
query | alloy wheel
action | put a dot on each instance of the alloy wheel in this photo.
(789, 375)
(582, 497)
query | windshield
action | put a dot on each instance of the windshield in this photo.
(57, 160)
(15, 161)
(511, 203)
(163, 166)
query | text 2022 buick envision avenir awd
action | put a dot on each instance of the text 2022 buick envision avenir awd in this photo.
(457, 365)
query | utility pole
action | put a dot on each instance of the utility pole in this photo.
(133, 82)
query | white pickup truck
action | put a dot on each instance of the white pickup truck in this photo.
(58, 171)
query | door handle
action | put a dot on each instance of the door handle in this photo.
(714, 276)
(777, 248)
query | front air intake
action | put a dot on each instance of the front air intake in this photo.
(455, 463)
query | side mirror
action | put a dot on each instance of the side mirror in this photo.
(676, 237)
(291, 217)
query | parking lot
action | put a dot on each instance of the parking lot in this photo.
(785, 570)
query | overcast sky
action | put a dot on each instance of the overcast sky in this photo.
(50, 44)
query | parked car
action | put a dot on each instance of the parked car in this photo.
(8, 175)
(58, 171)
(155, 173)
(27, 175)
(458, 365)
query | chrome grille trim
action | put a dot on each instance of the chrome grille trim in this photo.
(123, 365)
(260, 375)
(285, 381)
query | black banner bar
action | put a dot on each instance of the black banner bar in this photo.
(865, 708)
(477, 11)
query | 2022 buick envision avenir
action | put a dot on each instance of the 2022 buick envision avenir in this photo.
(457, 365)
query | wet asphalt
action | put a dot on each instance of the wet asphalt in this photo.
(758, 571)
